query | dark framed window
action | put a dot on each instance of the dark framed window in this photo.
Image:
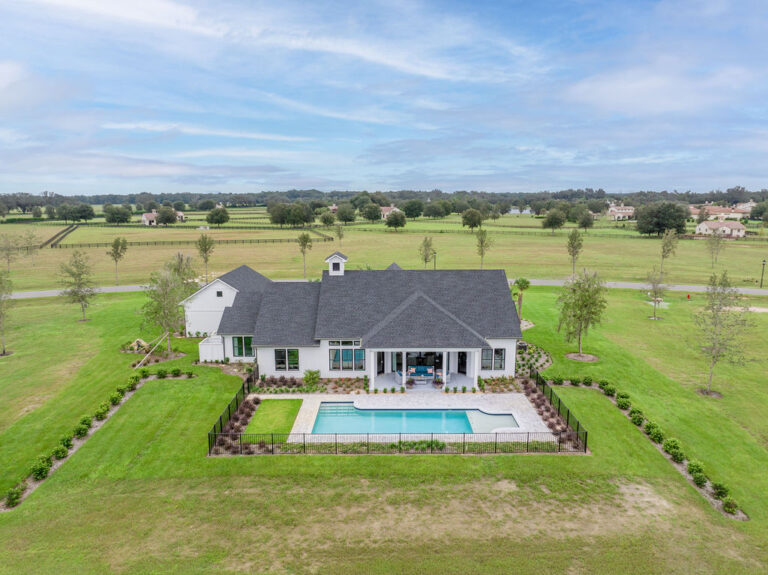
(219, 294)
(346, 359)
(334, 360)
(359, 359)
(498, 358)
(486, 359)
(242, 346)
(287, 359)
(336, 266)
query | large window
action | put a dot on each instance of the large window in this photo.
(287, 359)
(344, 355)
(492, 359)
(242, 346)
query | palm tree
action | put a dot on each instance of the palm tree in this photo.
(521, 284)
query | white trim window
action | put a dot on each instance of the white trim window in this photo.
(492, 359)
(346, 355)
(286, 359)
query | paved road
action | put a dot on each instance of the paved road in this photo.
(617, 285)
(639, 285)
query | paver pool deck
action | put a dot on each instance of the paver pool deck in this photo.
(517, 404)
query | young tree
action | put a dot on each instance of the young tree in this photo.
(434, 210)
(77, 280)
(521, 284)
(554, 220)
(9, 249)
(182, 267)
(179, 206)
(575, 244)
(338, 231)
(305, 244)
(395, 220)
(162, 307)
(327, 218)
(6, 290)
(471, 218)
(166, 215)
(668, 247)
(371, 212)
(715, 244)
(484, 244)
(656, 289)
(217, 216)
(581, 305)
(721, 325)
(205, 245)
(426, 251)
(413, 208)
(117, 252)
(586, 221)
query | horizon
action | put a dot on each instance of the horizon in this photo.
(172, 97)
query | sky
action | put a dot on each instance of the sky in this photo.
(504, 96)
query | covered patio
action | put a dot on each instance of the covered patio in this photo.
(422, 370)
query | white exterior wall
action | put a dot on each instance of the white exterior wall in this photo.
(510, 356)
(211, 348)
(203, 310)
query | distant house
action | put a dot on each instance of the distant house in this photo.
(150, 218)
(721, 213)
(386, 210)
(620, 212)
(726, 228)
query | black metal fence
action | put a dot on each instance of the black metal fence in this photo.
(392, 443)
(230, 410)
(557, 403)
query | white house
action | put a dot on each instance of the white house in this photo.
(726, 228)
(620, 212)
(150, 218)
(386, 210)
(391, 325)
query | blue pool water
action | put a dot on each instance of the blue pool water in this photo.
(346, 418)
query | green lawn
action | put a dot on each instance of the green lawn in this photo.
(141, 495)
(542, 256)
(274, 416)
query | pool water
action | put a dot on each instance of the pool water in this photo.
(346, 418)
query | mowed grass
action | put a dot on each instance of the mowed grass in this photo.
(86, 234)
(533, 256)
(274, 416)
(141, 495)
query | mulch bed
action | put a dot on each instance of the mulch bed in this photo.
(585, 357)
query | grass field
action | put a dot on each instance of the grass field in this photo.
(140, 495)
(274, 416)
(542, 256)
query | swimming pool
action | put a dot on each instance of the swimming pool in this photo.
(346, 418)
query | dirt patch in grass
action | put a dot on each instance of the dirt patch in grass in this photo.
(586, 357)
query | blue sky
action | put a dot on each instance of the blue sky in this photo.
(136, 96)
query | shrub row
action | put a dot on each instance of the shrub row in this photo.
(42, 466)
(671, 446)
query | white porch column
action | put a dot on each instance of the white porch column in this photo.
(445, 369)
(404, 367)
(475, 366)
(372, 371)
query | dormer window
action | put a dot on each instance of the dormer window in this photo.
(336, 263)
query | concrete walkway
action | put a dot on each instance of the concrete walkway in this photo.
(614, 285)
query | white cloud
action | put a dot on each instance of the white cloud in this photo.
(198, 131)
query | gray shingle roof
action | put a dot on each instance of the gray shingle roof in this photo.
(287, 315)
(338, 254)
(419, 321)
(394, 266)
(351, 305)
(240, 317)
